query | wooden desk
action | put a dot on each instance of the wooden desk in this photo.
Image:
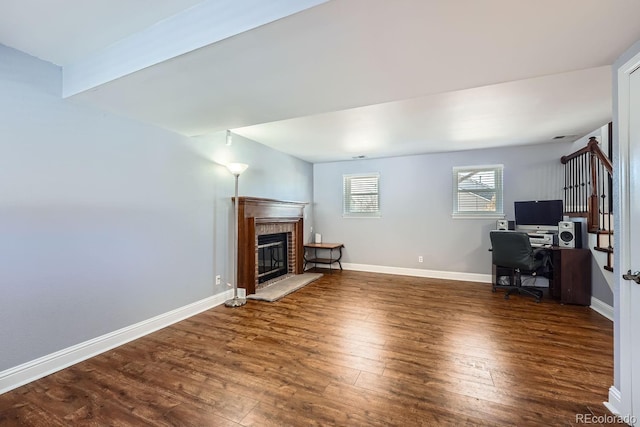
(570, 278)
(326, 247)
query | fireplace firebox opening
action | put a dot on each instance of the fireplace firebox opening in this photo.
(272, 256)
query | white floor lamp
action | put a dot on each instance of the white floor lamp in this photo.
(236, 169)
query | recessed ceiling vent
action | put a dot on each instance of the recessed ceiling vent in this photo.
(567, 137)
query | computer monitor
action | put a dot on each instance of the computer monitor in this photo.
(538, 215)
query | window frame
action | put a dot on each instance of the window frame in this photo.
(347, 197)
(498, 211)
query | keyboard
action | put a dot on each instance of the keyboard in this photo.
(540, 245)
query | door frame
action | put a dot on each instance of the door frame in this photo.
(620, 394)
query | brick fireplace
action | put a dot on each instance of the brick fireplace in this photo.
(258, 217)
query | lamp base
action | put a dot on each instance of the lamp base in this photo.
(235, 302)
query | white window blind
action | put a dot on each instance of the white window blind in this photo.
(477, 191)
(361, 196)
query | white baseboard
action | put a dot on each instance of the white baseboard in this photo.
(46, 365)
(615, 401)
(605, 309)
(617, 407)
(418, 272)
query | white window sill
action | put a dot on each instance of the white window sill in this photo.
(494, 217)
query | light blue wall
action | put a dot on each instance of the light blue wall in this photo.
(105, 222)
(416, 204)
(599, 286)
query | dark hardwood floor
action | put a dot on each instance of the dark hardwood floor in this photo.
(350, 349)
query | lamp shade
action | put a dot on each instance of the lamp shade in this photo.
(237, 168)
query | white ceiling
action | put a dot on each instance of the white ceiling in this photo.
(330, 80)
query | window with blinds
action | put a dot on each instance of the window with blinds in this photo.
(477, 191)
(361, 195)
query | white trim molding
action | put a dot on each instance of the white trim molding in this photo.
(600, 307)
(623, 327)
(615, 401)
(30, 371)
(418, 272)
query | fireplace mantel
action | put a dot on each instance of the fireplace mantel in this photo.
(254, 211)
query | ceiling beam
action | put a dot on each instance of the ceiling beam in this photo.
(203, 24)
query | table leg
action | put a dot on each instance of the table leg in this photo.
(330, 259)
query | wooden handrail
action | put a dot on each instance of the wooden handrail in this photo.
(588, 189)
(592, 147)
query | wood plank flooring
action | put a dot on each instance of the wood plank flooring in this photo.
(350, 349)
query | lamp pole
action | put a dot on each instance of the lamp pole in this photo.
(236, 169)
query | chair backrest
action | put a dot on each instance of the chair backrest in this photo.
(512, 249)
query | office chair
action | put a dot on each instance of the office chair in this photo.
(512, 250)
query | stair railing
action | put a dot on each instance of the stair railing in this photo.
(587, 186)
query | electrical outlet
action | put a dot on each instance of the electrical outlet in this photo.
(218, 279)
(420, 259)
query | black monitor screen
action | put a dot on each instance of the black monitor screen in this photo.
(538, 214)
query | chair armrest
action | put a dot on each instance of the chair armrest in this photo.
(538, 251)
(543, 254)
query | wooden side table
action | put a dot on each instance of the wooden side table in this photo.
(315, 259)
